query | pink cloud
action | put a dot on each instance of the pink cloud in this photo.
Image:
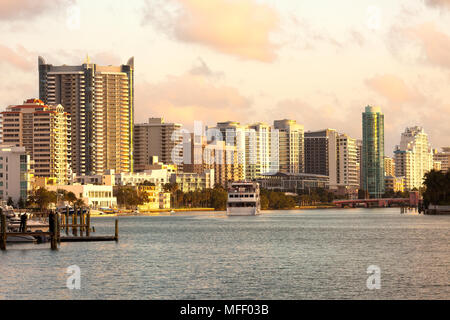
(438, 3)
(435, 44)
(19, 58)
(393, 88)
(240, 28)
(21, 9)
(189, 97)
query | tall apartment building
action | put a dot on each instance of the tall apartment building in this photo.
(291, 146)
(347, 166)
(261, 151)
(100, 100)
(359, 160)
(321, 153)
(334, 155)
(213, 155)
(234, 134)
(373, 151)
(389, 166)
(44, 131)
(157, 138)
(413, 157)
(15, 173)
(443, 157)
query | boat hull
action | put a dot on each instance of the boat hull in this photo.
(243, 211)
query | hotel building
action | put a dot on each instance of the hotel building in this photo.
(100, 100)
(443, 157)
(413, 157)
(44, 131)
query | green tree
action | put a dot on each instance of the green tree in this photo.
(10, 202)
(437, 188)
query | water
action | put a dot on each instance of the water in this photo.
(310, 254)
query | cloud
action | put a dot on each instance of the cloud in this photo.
(444, 4)
(25, 9)
(200, 68)
(241, 28)
(424, 42)
(187, 97)
(393, 88)
(19, 58)
(435, 44)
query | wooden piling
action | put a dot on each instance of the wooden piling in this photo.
(81, 222)
(2, 230)
(53, 234)
(88, 223)
(67, 221)
(74, 221)
(58, 227)
(116, 234)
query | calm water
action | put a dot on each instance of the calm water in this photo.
(314, 254)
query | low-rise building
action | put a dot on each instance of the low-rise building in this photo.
(188, 181)
(293, 182)
(94, 196)
(396, 184)
(15, 173)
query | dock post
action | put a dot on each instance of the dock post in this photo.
(74, 221)
(67, 221)
(58, 227)
(88, 223)
(3, 230)
(116, 235)
(52, 228)
(81, 221)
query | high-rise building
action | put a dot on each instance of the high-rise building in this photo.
(443, 157)
(261, 151)
(15, 173)
(389, 166)
(373, 151)
(100, 100)
(44, 131)
(157, 138)
(347, 163)
(413, 157)
(321, 153)
(359, 160)
(201, 155)
(291, 154)
(234, 134)
(332, 154)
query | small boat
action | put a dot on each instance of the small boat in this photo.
(21, 239)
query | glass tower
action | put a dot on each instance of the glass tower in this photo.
(373, 152)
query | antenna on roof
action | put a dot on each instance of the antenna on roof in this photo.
(88, 60)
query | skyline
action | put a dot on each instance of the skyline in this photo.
(400, 61)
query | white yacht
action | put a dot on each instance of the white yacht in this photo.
(243, 199)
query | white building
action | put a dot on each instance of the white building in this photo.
(158, 177)
(15, 176)
(413, 157)
(188, 181)
(94, 196)
(347, 171)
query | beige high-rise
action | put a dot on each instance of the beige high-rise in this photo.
(157, 138)
(100, 101)
(44, 131)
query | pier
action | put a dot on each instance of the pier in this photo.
(59, 220)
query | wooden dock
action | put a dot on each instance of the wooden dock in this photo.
(59, 220)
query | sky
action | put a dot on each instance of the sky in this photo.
(318, 62)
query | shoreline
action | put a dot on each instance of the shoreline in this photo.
(181, 211)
